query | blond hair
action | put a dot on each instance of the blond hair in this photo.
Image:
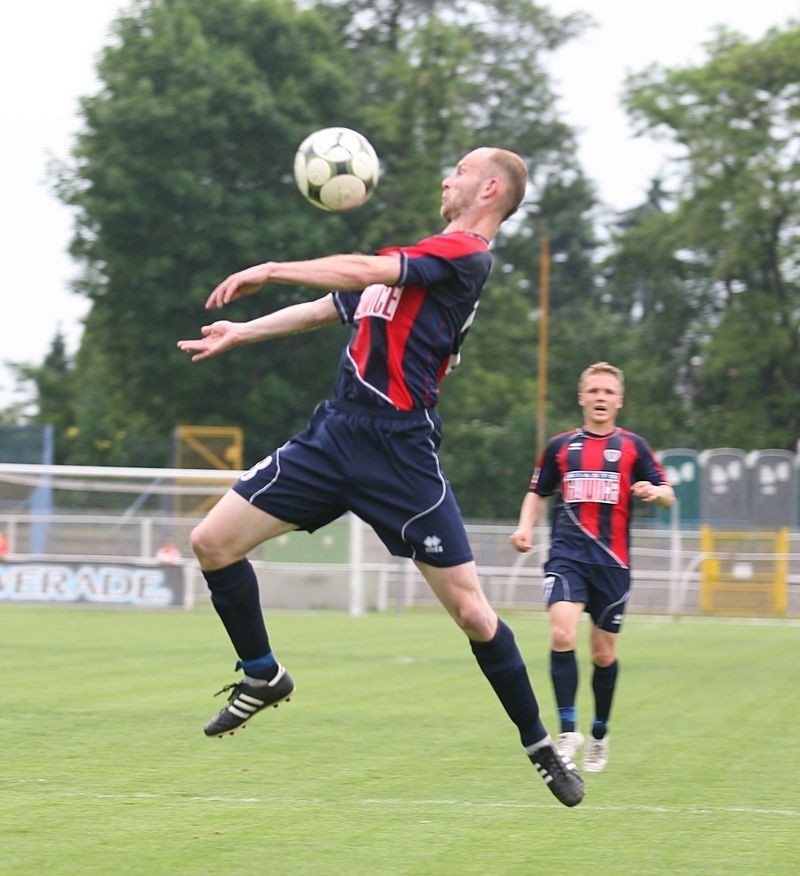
(602, 368)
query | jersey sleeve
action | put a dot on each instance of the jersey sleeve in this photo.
(448, 266)
(647, 467)
(546, 476)
(346, 304)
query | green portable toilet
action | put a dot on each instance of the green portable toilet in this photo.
(683, 472)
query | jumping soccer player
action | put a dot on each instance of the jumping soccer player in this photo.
(597, 469)
(373, 449)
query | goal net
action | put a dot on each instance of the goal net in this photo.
(103, 510)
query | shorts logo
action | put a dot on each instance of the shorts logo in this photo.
(257, 468)
(433, 544)
(616, 620)
(612, 455)
(549, 581)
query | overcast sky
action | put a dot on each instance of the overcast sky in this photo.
(48, 50)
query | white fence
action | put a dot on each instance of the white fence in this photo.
(343, 566)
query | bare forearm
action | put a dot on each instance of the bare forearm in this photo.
(530, 511)
(522, 537)
(348, 273)
(351, 272)
(288, 321)
(225, 335)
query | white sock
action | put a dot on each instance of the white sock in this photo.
(530, 749)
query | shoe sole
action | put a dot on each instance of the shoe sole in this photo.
(244, 723)
(568, 796)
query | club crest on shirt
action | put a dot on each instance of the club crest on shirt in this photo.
(379, 300)
(611, 455)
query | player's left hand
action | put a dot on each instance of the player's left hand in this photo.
(217, 337)
(646, 491)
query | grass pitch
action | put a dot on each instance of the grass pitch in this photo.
(393, 757)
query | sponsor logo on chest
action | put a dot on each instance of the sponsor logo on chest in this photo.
(591, 486)
(379, 300)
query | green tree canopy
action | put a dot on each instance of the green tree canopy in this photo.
(719, 271)
(182, 173)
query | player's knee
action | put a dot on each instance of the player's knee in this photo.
(562, 638)
(211, 553)
(473, 618)
(603, 657)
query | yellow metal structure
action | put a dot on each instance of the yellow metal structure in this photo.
(744, 571)
(214, 447)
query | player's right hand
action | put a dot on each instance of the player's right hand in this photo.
(521, 540)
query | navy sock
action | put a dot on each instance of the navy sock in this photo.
(234, 594)
(502, 664)
(604, 682)
(564, 673)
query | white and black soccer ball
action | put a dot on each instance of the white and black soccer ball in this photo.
(336, 169)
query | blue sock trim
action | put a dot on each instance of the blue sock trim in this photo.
(260, 667)
(568, 713)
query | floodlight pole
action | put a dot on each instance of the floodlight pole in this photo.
(544, 314)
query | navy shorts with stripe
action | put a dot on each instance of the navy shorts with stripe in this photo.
(603, 589)
(381, 465)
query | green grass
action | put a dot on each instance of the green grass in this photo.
(392, 758)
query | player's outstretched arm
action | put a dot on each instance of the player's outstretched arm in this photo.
(225, 335)
(346, 272)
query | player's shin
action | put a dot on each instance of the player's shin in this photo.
(604, 683)
(502, 664)
(235, 596)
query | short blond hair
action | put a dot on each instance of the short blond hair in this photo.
(602, 368)
(512, 167)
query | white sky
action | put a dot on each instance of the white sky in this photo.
(48, 49)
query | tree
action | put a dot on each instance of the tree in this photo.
(182, 173)
(733, 233)
(54, 387)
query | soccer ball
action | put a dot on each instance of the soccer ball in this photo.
(336, 169)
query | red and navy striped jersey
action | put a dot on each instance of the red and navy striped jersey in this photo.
(593, 475)
(406, 337)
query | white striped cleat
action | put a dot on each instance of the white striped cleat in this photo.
(559, 773)
(246, 700)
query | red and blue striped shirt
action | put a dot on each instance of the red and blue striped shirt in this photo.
(406, 337)
(593, 475)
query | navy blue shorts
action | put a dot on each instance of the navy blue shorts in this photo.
(604, 589)
(382, 466)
